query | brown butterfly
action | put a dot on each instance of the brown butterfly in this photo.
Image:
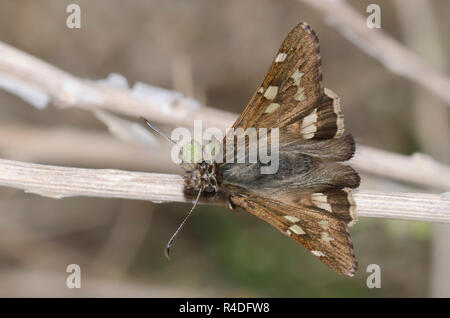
(309, 198)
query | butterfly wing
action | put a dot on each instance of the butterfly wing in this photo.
(292, 95)
(292, 86)
(321, 232)
(309, 197)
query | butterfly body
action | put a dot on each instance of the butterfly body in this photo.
(309, 197)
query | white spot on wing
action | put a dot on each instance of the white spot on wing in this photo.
(325, 206)
(280, 57)
(323, 224)
(292, 218)
(271, 92)
(317, 253)
(308, 127)
(320, 201)
(297, 229)
(271, 108)
(320, 197)
(340, 126)
(325, 237)
(308, 136)
(310, 119)
(300, 95)
(297, 76)
(337, 110)
(336, 104)
(352, 203)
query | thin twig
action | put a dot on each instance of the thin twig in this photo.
(60, 182)
(395, 57)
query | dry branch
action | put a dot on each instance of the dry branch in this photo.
(60, 182)
(395, 57)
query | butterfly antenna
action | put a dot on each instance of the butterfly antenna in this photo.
(172, 239)
(159, 132)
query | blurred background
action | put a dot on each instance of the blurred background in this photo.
(224, 49)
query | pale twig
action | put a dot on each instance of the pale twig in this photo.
(395, 57)
(38, 83)
(60, 182)
(418, 169)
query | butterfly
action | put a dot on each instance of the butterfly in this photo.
(309, 198)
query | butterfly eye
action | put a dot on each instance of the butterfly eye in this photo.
(191, 152)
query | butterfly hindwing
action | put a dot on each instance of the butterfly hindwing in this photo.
(319, 231)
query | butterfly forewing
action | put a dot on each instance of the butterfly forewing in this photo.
(292, 87)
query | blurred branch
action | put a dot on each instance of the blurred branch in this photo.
(431, 120)
(33, 79)
(38, 83)
(430, 115)
(419, 168)
(60, 182)
(74, 146)
(395, 57)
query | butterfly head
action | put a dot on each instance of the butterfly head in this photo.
(200, 174)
